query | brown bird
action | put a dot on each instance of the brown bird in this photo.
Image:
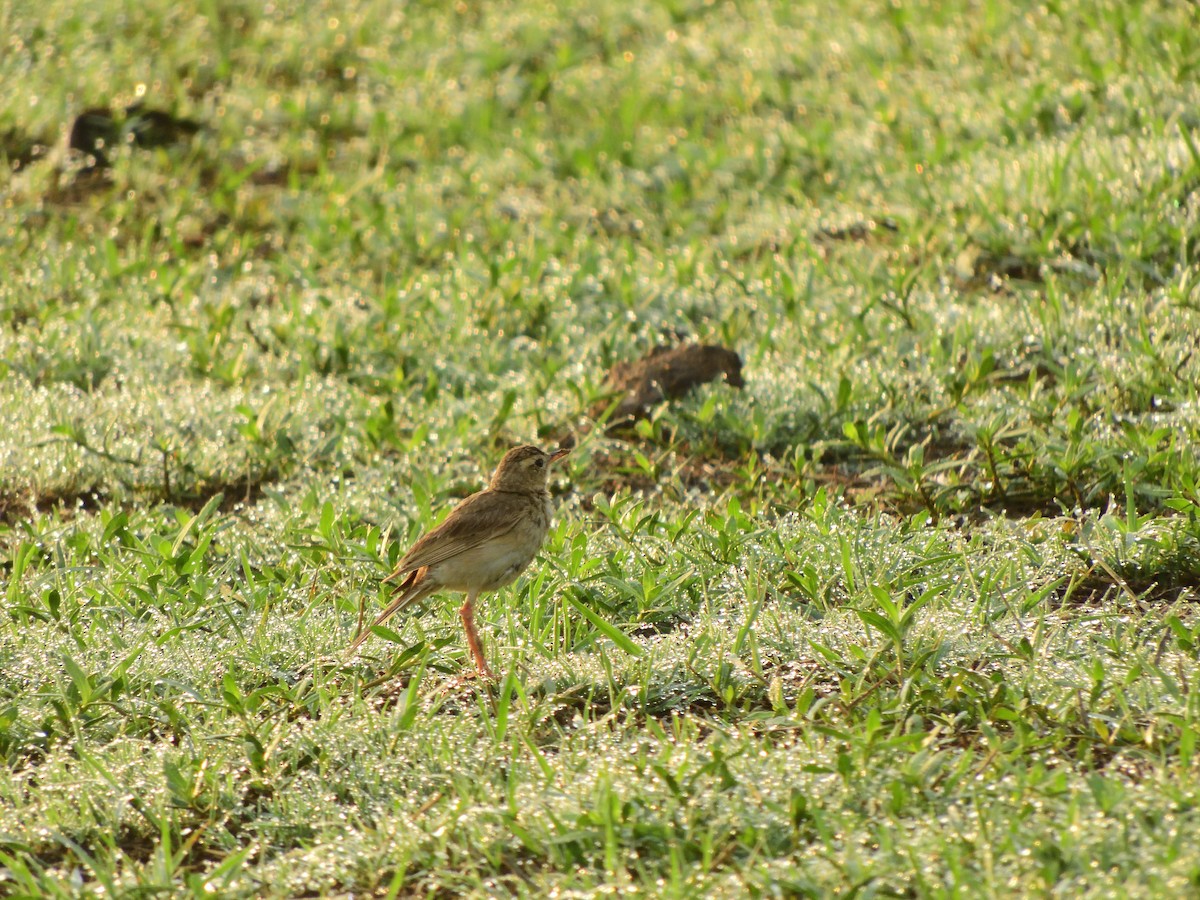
(485, 543)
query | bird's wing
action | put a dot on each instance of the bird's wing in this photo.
(480, 518)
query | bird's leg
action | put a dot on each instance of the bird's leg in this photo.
(467, 614)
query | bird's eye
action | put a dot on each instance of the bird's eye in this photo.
(539, 462)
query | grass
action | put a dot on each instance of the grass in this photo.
(913, 614)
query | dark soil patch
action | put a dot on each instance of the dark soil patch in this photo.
(655, 627)
(98, 130)
(236, 494)
(621, 472)
(1009, 266)
(858, 232)
(1038, 370)
(20, 149)
(1152, 589)
(19, 502)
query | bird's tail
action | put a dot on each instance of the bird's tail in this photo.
(414, 588)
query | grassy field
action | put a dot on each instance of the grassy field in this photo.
(912, 614)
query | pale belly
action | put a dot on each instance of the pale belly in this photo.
(484, 568)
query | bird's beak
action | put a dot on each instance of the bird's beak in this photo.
(559, 454)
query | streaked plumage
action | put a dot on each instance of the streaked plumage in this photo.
(488, 540)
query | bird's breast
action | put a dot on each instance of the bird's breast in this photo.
(493, 564)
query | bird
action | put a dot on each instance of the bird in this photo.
(489, 539)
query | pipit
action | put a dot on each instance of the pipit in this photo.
(485, 543)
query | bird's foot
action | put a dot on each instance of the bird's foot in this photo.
(468, 678)
(482, 671)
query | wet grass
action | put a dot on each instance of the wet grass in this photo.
(912, 613)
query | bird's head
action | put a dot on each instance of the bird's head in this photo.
(524, 469)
